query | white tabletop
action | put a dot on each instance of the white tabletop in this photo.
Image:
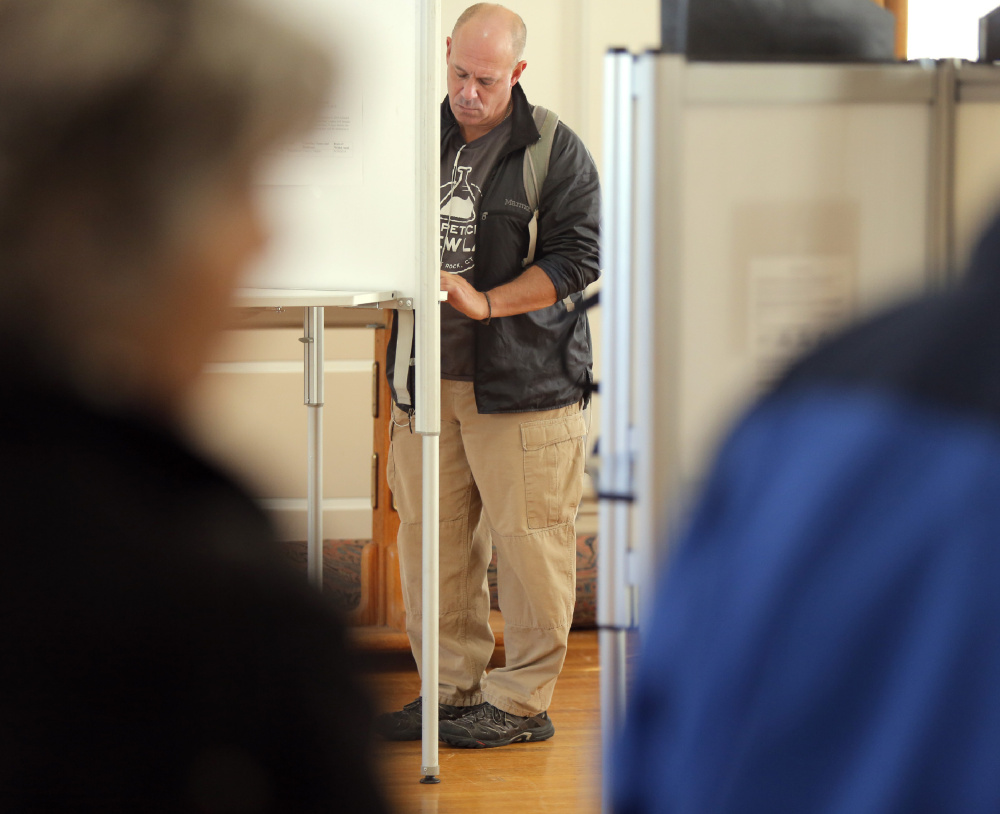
(278, 297)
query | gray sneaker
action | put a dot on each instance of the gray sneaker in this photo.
(407, 723)
(485, 726)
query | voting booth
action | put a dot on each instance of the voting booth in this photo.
(353, 209)
(751, 209)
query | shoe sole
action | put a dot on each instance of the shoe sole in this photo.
(474, 743)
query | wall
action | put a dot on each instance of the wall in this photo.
(249, 413)
(567, 40)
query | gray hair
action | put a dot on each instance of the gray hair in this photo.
(518, 30)
(120, 120)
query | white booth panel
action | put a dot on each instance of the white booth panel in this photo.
(795, 219)
(977, 172)
(342, 202)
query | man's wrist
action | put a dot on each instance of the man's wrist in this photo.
(489, 309)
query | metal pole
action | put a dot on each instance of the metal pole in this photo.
(429, 678)
(313, 341)
(941, 209)
(658, 261)
(428, 357)
(615, 481)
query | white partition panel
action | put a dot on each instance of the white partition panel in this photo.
(353, 211)
(797, 215)
(795, 197)
(977, 171)
(342, 202)
(977, 154)
(773, 203)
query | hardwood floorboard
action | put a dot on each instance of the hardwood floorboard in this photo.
(558, 775)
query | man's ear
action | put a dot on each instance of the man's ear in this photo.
(447, 49)
(518, 70)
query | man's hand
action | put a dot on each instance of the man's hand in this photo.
(531, 291)
(463, 297)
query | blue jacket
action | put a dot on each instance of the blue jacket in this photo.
(827, 638)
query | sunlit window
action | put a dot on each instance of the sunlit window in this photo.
(945, 28)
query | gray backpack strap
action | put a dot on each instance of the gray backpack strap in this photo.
(399, 358)
(536, 167)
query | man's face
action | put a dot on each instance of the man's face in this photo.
(481, 73)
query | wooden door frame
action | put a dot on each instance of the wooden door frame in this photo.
(381, 602)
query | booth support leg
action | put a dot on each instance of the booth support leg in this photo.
(431, 599)
(313, 341)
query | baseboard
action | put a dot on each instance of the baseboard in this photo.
(343, 518)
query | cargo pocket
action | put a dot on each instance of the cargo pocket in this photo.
(554, 453)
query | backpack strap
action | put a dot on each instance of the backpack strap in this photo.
(399, 359)
(536, 167)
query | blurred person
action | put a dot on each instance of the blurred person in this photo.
(156, 652)
(515, 367)
(827, 637)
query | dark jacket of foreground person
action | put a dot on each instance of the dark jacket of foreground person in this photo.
(156, 654)
(828, 636)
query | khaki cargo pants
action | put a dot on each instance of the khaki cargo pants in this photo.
(522, 475)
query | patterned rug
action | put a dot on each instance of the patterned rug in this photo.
(342, 574)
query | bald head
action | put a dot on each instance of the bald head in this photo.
(484, 64)
(492, 20)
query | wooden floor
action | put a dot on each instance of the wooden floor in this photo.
(558, 775)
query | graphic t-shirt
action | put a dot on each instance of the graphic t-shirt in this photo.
(465, 168)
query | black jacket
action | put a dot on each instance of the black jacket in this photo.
(158, 654)
(541, 360)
